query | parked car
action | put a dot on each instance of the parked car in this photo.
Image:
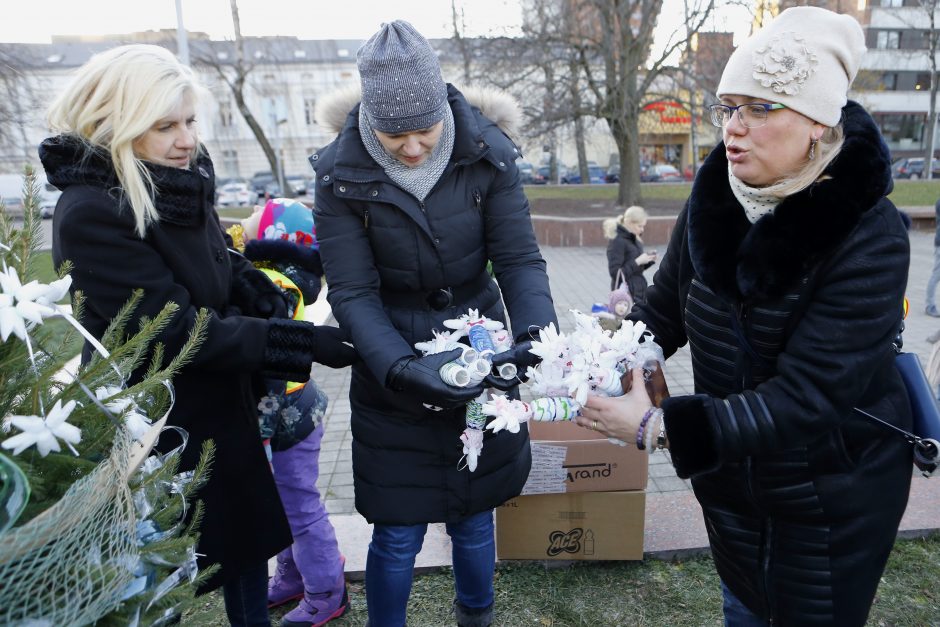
(596, 174)
(913, 168)
(545, 172)
(259, 181)
(235, 195)
(297, 183)
(11, 191)
(661, 173)
(613, 173)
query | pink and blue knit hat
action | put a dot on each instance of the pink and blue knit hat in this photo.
(287, 219)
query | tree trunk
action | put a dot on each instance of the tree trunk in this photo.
(626, 133)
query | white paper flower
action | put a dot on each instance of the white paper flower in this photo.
(507, 414)
(551, 346)
(42, 432)
(137, 423)
(785, 63)
(472, 446)
(27, 303)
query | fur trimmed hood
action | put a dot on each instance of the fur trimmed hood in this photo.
(748, 262)
(496, 105)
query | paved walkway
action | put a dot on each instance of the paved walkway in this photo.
(673, 519)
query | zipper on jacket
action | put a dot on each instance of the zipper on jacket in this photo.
(744, 362)
(365, 217)
(477, 199)
(421, 206)
(768, 594)
(764, 588)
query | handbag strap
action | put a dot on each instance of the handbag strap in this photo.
(620, 279)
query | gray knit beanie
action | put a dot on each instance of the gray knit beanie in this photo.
(402, 88)
(805, 59)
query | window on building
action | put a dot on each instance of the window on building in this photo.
(310, 105)
(891, 3)
(889, 81)
(922, 81)
(889, 40)
(225, 113)
(903, 131)
(230, 162)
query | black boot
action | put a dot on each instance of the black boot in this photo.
(473, 616)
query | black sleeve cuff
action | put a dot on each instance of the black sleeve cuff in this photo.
(289, 351)
(693, 434)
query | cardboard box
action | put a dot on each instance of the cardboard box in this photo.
(578, 526)
(569, 458)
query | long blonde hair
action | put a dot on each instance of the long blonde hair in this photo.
(114, 99)
(633, 215)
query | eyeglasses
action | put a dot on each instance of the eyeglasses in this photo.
(751, 115)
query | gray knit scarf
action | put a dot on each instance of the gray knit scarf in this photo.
(418, 180)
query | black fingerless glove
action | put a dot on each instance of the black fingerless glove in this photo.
(293, 346)
(420, 377)
(256, 296)
(519, 356)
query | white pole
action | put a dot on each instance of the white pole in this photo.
(182, 40)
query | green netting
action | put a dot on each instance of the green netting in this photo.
(71, 564)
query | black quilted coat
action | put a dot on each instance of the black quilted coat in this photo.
(802, 499)
(183, 259)
(381, 247)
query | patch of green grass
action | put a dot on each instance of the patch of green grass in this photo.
(234, 212)
(652, 592)
(915, 193)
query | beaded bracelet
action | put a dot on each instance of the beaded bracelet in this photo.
(639, 432)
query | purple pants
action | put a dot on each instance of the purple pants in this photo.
(315, 553)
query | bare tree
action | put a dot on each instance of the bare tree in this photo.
(618, 70)
(19, 105)
(235, 76)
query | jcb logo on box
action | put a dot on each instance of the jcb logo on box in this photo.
(588, 471)
(560, 542)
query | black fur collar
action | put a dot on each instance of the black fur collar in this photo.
(183, 196)
(754, 263)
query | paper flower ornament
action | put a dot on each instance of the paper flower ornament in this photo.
(32, 302)
(44, 433)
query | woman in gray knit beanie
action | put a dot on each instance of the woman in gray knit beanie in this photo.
(785, 275)
(415, 195)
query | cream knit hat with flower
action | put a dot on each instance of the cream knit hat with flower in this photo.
(805, 59)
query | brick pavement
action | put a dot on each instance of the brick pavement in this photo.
(578, 278)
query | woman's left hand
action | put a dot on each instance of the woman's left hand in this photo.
(618, 416)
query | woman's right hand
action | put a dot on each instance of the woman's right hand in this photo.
(617, 416)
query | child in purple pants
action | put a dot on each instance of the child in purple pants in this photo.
(280, 239)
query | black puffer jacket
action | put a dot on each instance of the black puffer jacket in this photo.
(383, 251)
(802, 499)
(183, 259)
(622, 252)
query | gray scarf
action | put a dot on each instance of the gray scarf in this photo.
(419, 180)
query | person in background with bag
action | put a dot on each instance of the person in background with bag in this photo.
(136, 212)
(626, 259)
(785, 274)
(416, 193)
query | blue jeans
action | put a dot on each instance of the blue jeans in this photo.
(736, 613)
(391, 561)
(246, 598)
(933, 280)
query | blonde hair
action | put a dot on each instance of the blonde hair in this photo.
(827, 149)
(633, 215)
(114, 99)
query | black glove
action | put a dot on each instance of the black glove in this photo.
(420, 377)
(293, 346)
(518, 355)
(255, 294)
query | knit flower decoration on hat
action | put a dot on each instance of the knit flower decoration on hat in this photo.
(785, 63)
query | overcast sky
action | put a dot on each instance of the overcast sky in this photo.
(37, 20)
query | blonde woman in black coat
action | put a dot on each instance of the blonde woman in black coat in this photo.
(785, 275)
(136, 212)
(625, 251)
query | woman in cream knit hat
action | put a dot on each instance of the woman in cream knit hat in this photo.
(785, 275)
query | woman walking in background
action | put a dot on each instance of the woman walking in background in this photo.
(625, 251)
(136, 212)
